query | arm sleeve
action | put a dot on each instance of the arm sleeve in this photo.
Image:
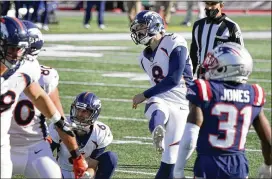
(236, 35)
(177, 62)
(53, 133)
(97, 152)
(193, 50)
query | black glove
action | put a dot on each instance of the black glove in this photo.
(65, 127)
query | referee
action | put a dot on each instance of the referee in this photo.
(211, 31)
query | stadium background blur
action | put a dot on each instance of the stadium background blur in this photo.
(105, 62)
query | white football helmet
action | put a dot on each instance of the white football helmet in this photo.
(228, 62)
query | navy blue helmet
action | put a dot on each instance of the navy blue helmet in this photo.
(85, 110)
(35, 36)
(14, 42)
(146, 25)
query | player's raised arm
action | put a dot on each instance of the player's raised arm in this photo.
(263, 129)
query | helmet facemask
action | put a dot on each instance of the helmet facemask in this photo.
(83, 117)
(230, 65)
(12, 55)
(139, 33)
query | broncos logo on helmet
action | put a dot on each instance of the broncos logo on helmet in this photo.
(14, 42)
(228, 62)
(36, 38)
(146, 25)
(85, 111)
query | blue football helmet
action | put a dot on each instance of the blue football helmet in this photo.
(14, 42)
(85, 110)
(35, 37)
(146, 25)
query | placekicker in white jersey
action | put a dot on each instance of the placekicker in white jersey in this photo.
(157, 68)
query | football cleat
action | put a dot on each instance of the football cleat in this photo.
(265, 171)
(158, 135)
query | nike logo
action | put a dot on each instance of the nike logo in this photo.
(35, 152)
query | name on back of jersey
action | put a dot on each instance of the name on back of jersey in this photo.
(236, 95)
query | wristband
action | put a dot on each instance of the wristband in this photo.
(75, 153)
(56, 117)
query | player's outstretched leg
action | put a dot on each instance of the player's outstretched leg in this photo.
(106, 166)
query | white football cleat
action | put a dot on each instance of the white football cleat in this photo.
(158, 135)
(265, 171)
(102, 26)
(87, 26)
(45, 27)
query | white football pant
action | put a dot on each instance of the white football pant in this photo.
(35, 161)
(67, 174)
(6, 164)
(176, 118)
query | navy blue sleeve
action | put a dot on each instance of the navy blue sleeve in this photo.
(177, 62)
(97, 152)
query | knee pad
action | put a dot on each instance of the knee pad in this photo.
(157, 118)
(107, 164)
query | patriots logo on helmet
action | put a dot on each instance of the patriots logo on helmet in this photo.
(210, 61)
(224, 50)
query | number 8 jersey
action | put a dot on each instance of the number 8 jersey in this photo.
(156, 66)
(28, 125)
(228, 111)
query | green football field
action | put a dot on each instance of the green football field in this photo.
(116, 78)
(112, 72)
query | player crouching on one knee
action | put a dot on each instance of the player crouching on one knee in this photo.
(92, 136)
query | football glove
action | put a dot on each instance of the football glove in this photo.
(265, 171)
(65, 127)
(80, 166)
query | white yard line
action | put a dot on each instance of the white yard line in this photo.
(262, 61)
(150, 143)
(135, 172)
(126, 36)
(139, 172)
(103, 84)
(120, 118)
(128, 100)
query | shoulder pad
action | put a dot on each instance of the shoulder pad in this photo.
(103, 133)
(49, 78)
(204, 89)
(259, 95)
(31, 68)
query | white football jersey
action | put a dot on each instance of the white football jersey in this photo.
(28, 127)
(11, 88)
(157, 68)
(100, 137)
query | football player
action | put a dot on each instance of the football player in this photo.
(20, 73)
(223, 107)
(92, 136)
(31, 154)
(167, 63)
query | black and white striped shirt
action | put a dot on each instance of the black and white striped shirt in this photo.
(206, 35)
